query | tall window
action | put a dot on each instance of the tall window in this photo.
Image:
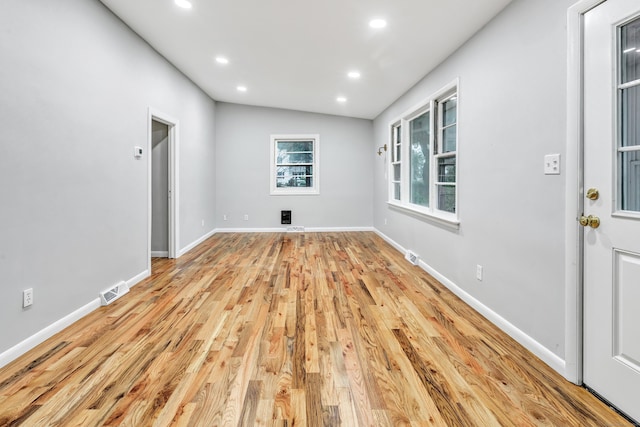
(396, 165)
(294, 164)
(445, 152)
(419, 129)
(424, 170)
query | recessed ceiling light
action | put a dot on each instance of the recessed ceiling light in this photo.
(377, 23)
(242, 88)
(354, 75)
(222, 60)
(341, 99)
(185, 4)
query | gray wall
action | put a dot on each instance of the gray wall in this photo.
(242, 169)
(77, 83)
(76, 86)
(511, 113)
(159, 187)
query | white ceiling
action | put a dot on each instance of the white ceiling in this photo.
(296, 54)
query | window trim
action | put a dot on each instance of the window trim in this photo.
(289, 191)
(396, 146)
(431, 104)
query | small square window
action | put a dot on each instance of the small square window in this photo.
(294, 164)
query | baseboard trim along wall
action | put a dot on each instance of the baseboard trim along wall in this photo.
(195, 243)
(159, 254)
(284, 230)
(41, 336)
(547, 356)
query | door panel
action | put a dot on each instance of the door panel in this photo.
(612, 246)
(626, 315)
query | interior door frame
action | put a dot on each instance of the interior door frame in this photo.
(173, 143)
(574, 196)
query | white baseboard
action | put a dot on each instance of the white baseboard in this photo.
(41, 336)
(46, 333)
(337, 229)
(195, 243)
(159, 254)
(390, 241)
(284, 230)
(546, 355)
(138, 278)
(250, 230)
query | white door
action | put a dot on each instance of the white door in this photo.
(612, 168)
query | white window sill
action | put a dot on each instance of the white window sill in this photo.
(441, 220)
(295, 193)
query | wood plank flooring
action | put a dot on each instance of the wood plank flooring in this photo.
(315, 329)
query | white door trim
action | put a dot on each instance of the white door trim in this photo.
(574, 197)
(174, 132)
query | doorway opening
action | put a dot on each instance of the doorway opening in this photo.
(159, 190)
(162, 147)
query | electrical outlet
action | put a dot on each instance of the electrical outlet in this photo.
(203, 222)
(479, 272)
(224, 217)
(246, 217)
(385, 221)
(27, 297)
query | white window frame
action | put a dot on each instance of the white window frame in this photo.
(313, 190)
(431, 104)
(395, 160)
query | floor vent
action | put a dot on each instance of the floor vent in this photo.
(112, 294)
(412, 257)
(295, 228)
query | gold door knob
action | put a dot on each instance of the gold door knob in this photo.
(591, 221)
(593, 194)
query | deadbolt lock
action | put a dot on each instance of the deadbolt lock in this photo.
(593, 194)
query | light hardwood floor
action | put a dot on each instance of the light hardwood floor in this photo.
(289, 330)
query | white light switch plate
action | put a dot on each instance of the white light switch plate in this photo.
(552, 164)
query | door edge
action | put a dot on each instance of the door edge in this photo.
(574, 192)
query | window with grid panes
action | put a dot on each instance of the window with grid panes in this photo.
(396, 166)
(445, 155)
(294, 164)
(423, 170)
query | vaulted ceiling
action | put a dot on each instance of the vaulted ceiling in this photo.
(297, 54)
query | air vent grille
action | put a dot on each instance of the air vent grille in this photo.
(412, 257)
(110, 295)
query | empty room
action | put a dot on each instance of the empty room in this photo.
(338, 213)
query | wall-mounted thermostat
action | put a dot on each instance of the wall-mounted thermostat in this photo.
(137, 152)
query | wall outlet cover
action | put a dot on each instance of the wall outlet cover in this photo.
(27, 297)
